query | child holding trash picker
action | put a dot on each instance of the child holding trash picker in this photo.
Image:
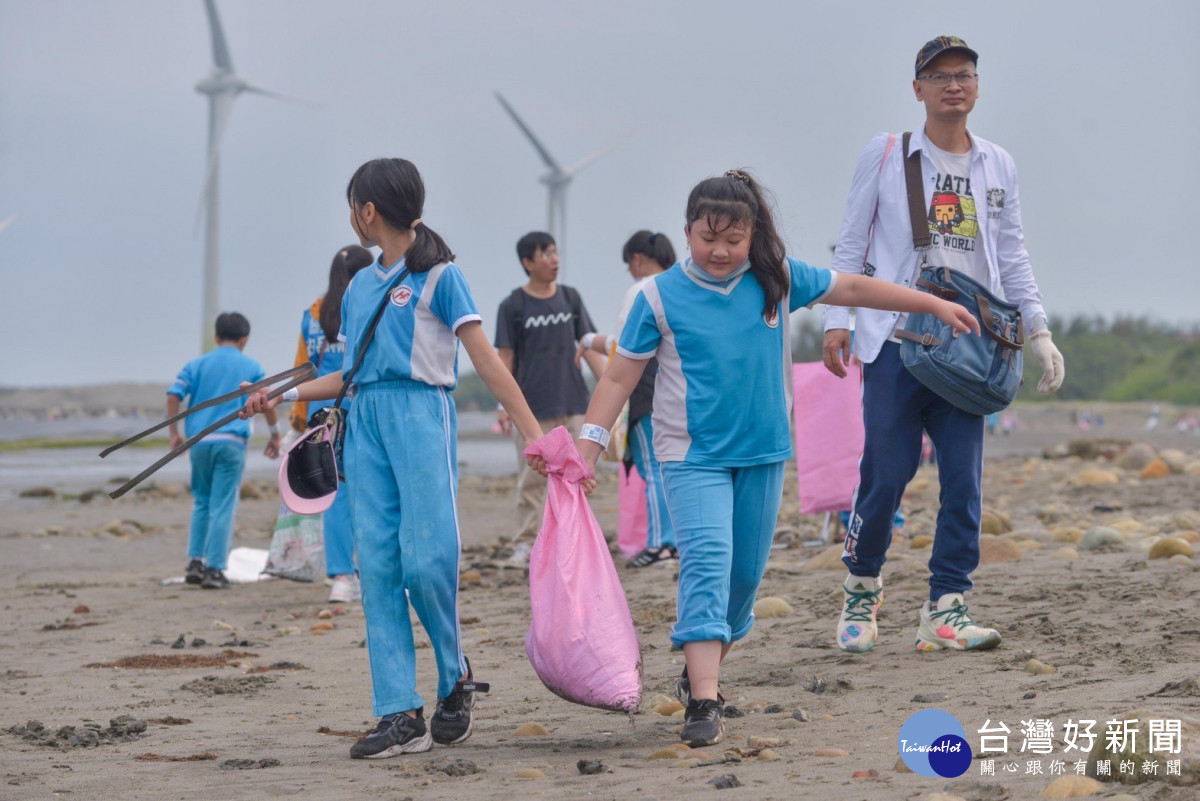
(401, 464)
(718, 324)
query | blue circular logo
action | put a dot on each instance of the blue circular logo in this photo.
(933, 743)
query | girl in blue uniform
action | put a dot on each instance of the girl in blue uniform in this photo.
(319, 345)
(401, 453)
(718, 324)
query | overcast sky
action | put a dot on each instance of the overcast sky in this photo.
(102, 146)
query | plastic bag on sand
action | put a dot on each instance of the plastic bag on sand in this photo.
(297, 547)
(581, 642)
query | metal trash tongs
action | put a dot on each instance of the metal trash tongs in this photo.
(297, 376)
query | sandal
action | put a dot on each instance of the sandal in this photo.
(650, 556)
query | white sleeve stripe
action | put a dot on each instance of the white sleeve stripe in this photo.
(466, 318)
(833, 277)
(641, 357)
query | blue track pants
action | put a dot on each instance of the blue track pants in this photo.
(216, 485)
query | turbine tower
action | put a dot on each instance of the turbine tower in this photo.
(222, 86)
(557, 179)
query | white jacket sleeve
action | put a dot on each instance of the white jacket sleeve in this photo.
(854, 238)
(1016, 273)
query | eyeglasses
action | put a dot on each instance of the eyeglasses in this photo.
(942, 79)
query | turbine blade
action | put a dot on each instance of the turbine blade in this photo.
(7, 221)
(574, 169)
(541, 149)
(220, 108)
(220, 49)
(255, 90)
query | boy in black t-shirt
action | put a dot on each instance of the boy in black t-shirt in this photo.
(537, 330)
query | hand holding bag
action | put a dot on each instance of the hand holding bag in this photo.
(581, 642)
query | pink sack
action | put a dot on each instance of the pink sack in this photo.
(632, 522)
(829, 435)
(581, 641)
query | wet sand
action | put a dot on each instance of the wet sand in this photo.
(81, 587)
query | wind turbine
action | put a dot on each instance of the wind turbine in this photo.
(557, 179)
(222, 85)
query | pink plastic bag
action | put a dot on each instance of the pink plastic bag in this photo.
(632, 522)
(829, 435)
(581, 641)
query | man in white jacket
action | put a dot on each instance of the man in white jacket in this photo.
(974, 217)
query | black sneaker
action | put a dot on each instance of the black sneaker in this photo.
(195, 572)
(703, 722)
(214, 579)
(394, 734)
(451, 721)
(683, 687)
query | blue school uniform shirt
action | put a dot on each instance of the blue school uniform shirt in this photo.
(724, 382)
(416, 337)
(326, 356)
(215, 373)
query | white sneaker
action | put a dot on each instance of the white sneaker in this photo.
(948, 625)
(520, 556)
(346, 589)
(857, 629)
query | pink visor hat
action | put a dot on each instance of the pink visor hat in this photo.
(308, 478)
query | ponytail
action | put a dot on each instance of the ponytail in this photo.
(396, 189)
(652, 246)
(736, 197)
(348, 261)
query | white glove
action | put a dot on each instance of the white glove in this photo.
(1053, 369)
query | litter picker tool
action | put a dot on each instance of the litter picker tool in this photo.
(295, 376)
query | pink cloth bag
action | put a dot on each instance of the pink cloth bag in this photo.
(633, 525)
(581, 642)
(829, 435)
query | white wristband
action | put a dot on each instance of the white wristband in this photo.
(274, 429)
(290, 395)
(588, 339)
(595, 433)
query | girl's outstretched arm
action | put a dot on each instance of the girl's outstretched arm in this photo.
(324, 388)
(499, 379)
(859, 290)
(613, 389)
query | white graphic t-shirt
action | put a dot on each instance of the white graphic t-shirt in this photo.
(953, 222)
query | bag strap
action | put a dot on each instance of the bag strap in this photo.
(348, 377)
(921, 237)
(887, 151)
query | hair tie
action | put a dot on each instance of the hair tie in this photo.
(650, 240)
(738, 175)
(413, 225)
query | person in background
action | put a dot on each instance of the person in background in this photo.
(320, 346)
(647, 255)
(219, 459)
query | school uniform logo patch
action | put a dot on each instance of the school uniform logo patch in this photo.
(772, 319)
(401, 296)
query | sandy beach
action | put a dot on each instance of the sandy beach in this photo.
(1087, 573)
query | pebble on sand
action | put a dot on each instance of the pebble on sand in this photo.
(1065, 555)
(1072, 787)
(1156, 469)
(900, 767)
(1170, 546)
(772, 607)
(768, 755)
(1038, 668)
(1175, 459)
(921, 541)
(1100, 537)
(530, 773)
(1182, 561)
(665, 753)
(531, 729)
(993, 522)
(668, 708)
(993, 549)
(323, 627)
(832, 752)
(828, 559)
(943, 797)
(1094, 476)
(1067, 534)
